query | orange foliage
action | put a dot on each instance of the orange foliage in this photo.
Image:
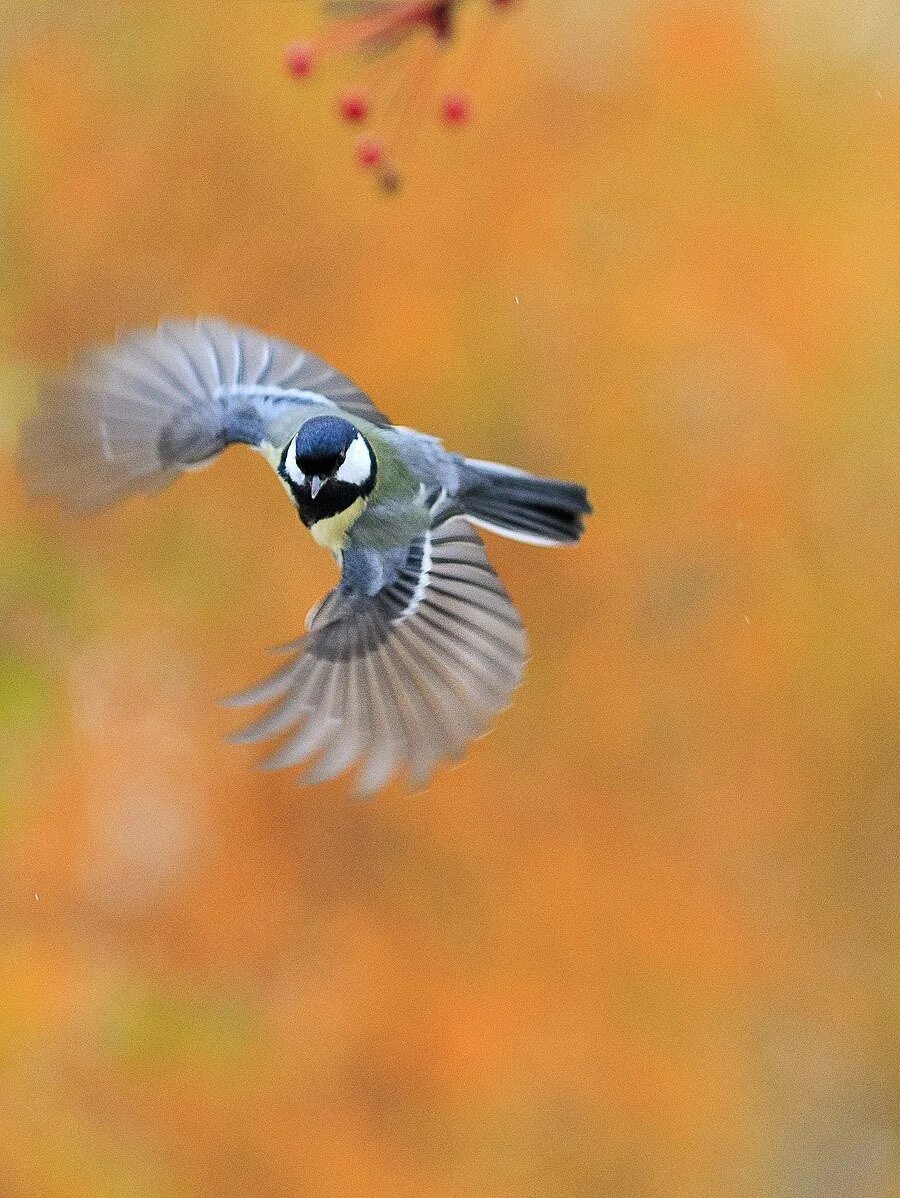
(642, 941)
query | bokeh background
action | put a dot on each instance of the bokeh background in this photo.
(643, 942)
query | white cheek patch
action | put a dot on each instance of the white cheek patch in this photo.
(357, 464)
(292, 467)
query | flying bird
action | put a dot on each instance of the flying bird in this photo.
(418, 647)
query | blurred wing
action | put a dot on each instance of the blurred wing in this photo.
(132, 417)
(410, 674)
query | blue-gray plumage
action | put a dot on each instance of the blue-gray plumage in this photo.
(418, 647)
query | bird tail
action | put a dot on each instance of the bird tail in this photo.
(540, 511)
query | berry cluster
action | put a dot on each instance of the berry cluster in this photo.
(377, 28)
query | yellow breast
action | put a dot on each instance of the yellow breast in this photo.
(332, 533)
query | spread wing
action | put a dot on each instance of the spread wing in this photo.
(410, 674)
(132, 417)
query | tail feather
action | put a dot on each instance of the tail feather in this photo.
(541, 511)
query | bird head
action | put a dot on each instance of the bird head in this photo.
(328, 466)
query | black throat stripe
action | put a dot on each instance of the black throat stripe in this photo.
(333, 498)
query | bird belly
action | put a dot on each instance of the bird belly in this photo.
(332, 532)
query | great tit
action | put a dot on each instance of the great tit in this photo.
(418, 647)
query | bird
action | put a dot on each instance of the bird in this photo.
(418, 647)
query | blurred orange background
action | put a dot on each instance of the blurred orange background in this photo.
(643, 940)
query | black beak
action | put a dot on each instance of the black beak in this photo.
(316, 483)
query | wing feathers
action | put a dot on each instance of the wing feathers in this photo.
(131, 417)
(409, 675)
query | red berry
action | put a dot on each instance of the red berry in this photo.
(370, 151)
(299, 59)
(456, 108)
(354, 107)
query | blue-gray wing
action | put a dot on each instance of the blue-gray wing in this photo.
(131, 417)
(408, 674)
